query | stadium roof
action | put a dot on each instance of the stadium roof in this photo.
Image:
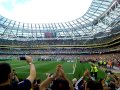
(101, 16)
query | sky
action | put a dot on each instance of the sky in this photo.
(43, 11)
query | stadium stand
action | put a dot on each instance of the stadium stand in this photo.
(93, 38)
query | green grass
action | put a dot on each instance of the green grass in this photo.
(43, 67)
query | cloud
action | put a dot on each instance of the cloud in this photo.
(47, 11)
(3, 1)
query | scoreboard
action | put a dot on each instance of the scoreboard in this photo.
(50, 34)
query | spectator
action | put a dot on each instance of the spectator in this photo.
(6, 76)
(35, 85)
(81, 84)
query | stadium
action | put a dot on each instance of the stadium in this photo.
(75, 44)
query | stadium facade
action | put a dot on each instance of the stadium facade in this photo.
(96, 32)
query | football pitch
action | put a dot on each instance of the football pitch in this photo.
(71, 69)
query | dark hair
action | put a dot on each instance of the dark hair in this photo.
(98, 85)
(5, 70)
(111, 85)
(91, 85)
(60, 84)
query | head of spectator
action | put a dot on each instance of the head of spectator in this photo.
(5, 75)
(60, 84)
(35, 86)
(99, 84)
(112, 85)
(91, 85)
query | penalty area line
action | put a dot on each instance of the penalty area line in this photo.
(74, 67)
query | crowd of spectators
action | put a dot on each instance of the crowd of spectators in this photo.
(35, 43)
(102, 84)
(56, 81)
(115, 58)
(58, 50)
(59, 80)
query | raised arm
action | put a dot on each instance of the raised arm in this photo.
(32, 74)
(45, 83)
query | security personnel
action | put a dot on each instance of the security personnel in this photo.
(92, 70)
(95, 71)
(101, 63)
(104, 63)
